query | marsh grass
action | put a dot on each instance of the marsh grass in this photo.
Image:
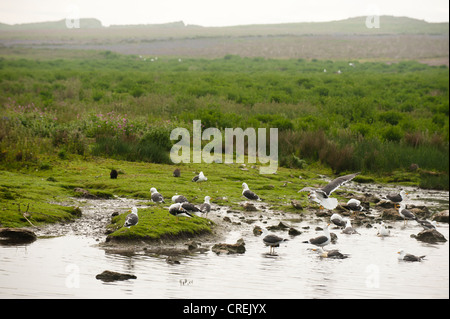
(374, 117)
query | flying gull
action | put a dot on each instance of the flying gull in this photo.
(248, 193)
(322, 194)
(271, 240)
(406, 214)
(156, 197)
(200, 178)
(408, 257)
(322, 240)
(177, 211)
(132, 219)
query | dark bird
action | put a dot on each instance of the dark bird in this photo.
(177, 211)
(156, 197)
(408, 257)
(206, 206)
(337, 220)
(406, 214)
(176, 172)
(113, 174)
(349, 230)
(322, 240)
(191, 208)
(271, 240)
(426, 224)
(131, 219)
(333, 254)
(397, 197)
(321, 195)
(354, 205)
(179, 199)
(200, 178)
(248, 193)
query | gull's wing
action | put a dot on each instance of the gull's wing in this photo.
(334, 184)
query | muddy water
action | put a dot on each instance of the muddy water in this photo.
(66, 266)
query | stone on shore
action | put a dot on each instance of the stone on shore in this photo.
(109, 276)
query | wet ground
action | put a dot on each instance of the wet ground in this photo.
(65, 266)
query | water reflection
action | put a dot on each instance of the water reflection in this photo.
(48, 268)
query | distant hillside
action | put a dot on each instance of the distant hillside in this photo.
(85, 23)
(357, 25)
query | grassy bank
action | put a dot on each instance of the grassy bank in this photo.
(368, 117)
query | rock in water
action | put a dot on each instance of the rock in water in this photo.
(441, 217)
(238, 248)
(109, 276)
(16, 236)
(430, 236)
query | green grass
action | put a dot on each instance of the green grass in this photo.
(156, 223)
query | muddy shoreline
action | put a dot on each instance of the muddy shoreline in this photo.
(96, 215)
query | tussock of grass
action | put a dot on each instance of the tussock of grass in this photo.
(157, 223)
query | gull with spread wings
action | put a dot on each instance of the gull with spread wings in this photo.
(321, 195)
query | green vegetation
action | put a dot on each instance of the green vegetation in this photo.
(69, 117)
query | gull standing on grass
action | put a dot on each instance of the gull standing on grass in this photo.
(132, 219)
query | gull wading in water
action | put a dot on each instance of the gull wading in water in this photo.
(271, 240)
(322, 240)
(321, 195)
(408, 257)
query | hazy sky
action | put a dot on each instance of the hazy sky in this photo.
(217, 12)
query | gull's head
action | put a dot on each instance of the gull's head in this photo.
(153, 190)
(207, 199)
(403, 193)
(134, 210)
(244, 186)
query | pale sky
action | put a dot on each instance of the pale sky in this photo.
(217, 12)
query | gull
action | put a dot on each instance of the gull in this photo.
(131, 219)
(397, 197)
(176, 210)
(408, 257)
(334, 254)
(206, 206)
(349, 230)
(354, 205)
(426, 224)
(337, 220)
(322, 240)
(383, 231)
(156, 197)
(406, 214)
(248, 193)
(200, 178)
(271, 240)
(321, 195)
(179, 199)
